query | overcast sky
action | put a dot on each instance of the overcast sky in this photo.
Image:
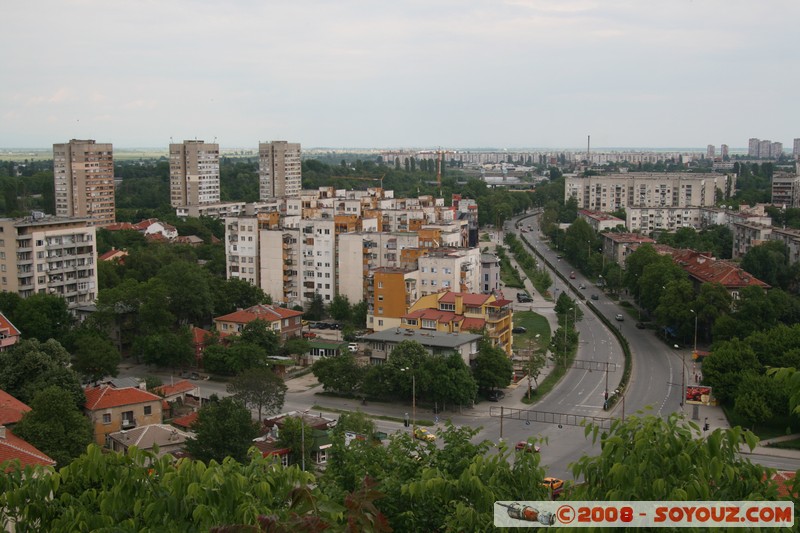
(401, 73)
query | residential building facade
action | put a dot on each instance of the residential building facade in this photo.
(193, 173)
(279, 169)
(51, 255)
(455, 312)
(83, 175)
(113, 409)
(786, 190)
(490, 273)
(286, 323)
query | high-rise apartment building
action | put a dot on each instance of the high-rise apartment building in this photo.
(725, 152)
(710, 152)
(752, 147)
(193, 173)
(279, 169)
(763, 149)
(796, 149)
(776, 150)
(49, 255)
(83, 175)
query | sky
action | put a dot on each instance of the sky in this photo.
(400, 74)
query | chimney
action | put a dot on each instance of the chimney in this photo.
(2, 432)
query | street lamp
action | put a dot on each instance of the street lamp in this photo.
(683, 377)
(413, 399)
(695, 330)
(530, 366)
(566, 323)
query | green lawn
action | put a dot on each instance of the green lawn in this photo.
(777, 426)
(534, 323)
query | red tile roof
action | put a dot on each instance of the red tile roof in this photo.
(470, 323)
(186, 421)
(105, 397)
(265, 312)
(120, 226)
(499, 303)
(200, 335)
(7, 327)
(784, 480)
(11, 409)
(13, 447)
(707, 269)
(176, 388)
(443, 317)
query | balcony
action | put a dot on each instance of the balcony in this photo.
(128, 423)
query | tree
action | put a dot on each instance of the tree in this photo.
(236, 293)
(259, 388)
(165, 349)
(298, 436)
(493, 368)
(31, 366)
(650, 458)
(95, 356)
(723, 369)
(43, 317)
(339, 308)
(259, 333)
(359, 314)
(446, 379)
(674, 307)
(56, 425)
(224, 428)
(189, 293)
(316, 309)
(713, 301)
(340, 374)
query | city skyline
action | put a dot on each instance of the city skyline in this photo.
(510, 74)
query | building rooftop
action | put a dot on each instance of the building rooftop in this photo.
(434, 339)
(265, 312)
(11, 409)
(106, 396)
(13, 447)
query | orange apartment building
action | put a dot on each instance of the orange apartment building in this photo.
(456, 312)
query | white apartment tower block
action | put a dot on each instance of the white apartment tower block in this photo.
(83, 175)
(193, 173)
(279, 169)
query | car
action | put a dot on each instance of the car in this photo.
(321, 325)
(619, 317)
(353, 347)
(572, 275)
(495, 395)
(527, 446)
(304, 322)
(641, 325)
(309, 334)
(335, 325)
(554, 484)
(423, 434)
(558, 257)
(518, 329)
(595, 297)
(581, 286)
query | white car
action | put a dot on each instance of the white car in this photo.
(353, 347)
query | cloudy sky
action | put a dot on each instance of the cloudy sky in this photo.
(405, 73)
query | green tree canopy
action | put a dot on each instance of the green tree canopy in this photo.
(224, 428)
(94, 356)
(493, 368)
(31, 366)
(56, 426)
(259, 388)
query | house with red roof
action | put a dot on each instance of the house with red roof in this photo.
(461, 312)
(167, 438)
(201, 339)
(117, 256)
(286, 323)
(14, 448)
(178, 391)
(9, 334)
(112, 409)
(704, 268)
(11, 409)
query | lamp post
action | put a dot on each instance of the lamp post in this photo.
(530, 356)
(566, 323)
(413, 399)
(695, 330)
(683, 378)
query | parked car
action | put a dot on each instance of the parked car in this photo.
(423, 434)
(353, 347)
(595, 297)
(527, 446)
(619, 317)
(572, 275)
(581, 286)
(495, 395)
(321, 325)
(524, 297)
(518, 329)
(554, 484)
(309, 334)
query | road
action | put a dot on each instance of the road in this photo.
(655, 383)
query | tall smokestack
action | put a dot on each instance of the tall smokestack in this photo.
(589, 150)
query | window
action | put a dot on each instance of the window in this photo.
(106, 418)
(380, 284)
(380, 297)
(148, 410)
(428, 324)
